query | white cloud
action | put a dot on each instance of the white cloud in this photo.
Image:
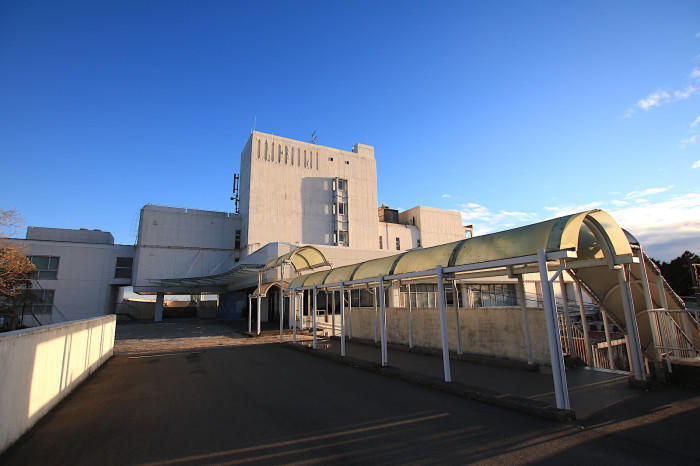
(487, 221)
(654, 100)
(695, 123)
(696, 164)
(446, 196)
(560, 211)
(697, 35)
(685, 93)
(618, 203)
(665, 228)
(695, 74)
(647, 192)
(688, 141)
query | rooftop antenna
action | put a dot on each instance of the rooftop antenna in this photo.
(255, 122)
(314, 138)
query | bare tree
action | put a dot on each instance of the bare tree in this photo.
(15, 271)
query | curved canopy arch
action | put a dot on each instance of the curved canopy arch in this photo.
(589, 235)
(302, 258)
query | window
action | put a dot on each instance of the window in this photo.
(42, 301)
(330, 159)
(424, 295)
(46, 267)
(342, 185)
(237, 244)
(123, 267)
(493, 295)
(343, 238)
(347, 162)
(398, 244)
(418, 243)
(361, 298)
(381, 246)
(342, 208)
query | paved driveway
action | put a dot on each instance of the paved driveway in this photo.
(263, 403)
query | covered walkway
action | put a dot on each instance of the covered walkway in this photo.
(606, 263)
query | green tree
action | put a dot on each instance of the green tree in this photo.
(679, 272)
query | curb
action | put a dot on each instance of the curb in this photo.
(503, 400)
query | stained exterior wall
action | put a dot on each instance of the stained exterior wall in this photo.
(287, 192)
(496, 332)
(436, 226)
(408, 236)
(176, 242)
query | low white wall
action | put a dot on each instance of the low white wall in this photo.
(494, 331)
(40, 366)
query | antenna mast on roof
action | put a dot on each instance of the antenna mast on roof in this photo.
(314, 138)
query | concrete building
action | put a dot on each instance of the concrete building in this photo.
(79, 273)
(290, 194)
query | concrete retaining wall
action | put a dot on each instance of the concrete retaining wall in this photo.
(491, 331)
(40, 366)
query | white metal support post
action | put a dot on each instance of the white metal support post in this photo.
(635, 348)
(455, 302)
(382, 318)
(333, 312)
(443, 325)
(293, 313)
(301, 310)
(376, 323)
(584, 323)
(606, 328)
(250, 313)
(281, 301)
(561, 390)
(342, 320)
(649, 304)
(350, 313)
(410, 317)
(313, 318)
(567, 320)
(526, 321)
(259, 287)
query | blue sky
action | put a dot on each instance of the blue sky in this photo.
(510, 113)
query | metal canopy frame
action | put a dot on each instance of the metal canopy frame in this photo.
(575, 242)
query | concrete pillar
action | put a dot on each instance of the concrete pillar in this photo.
(160, 298)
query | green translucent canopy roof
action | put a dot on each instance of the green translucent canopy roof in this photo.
(303, 258)
(593, 234)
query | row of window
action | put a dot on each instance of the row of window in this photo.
(47, 267)
(425, 295)
(286, 156)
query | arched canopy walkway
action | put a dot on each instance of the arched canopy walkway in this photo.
(601, 257)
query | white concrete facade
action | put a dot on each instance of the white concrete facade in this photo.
(84, 285)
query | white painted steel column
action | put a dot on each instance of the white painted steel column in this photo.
(410, 317)
(606, 327)
(443, 325)
(350, 313)
(333, 312)
(649, 303)
(584, 324)
(313, 318)
(281, 301)
(301, 311)
(342, 320)
(664, 304)
(376, 323)
(250, 313)
(293, 313)
(526, 320)
(382, 318)
(259, 288)
(158, 315)
(561, 390)
(567, 320)
(635, 347)
(455, 302)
